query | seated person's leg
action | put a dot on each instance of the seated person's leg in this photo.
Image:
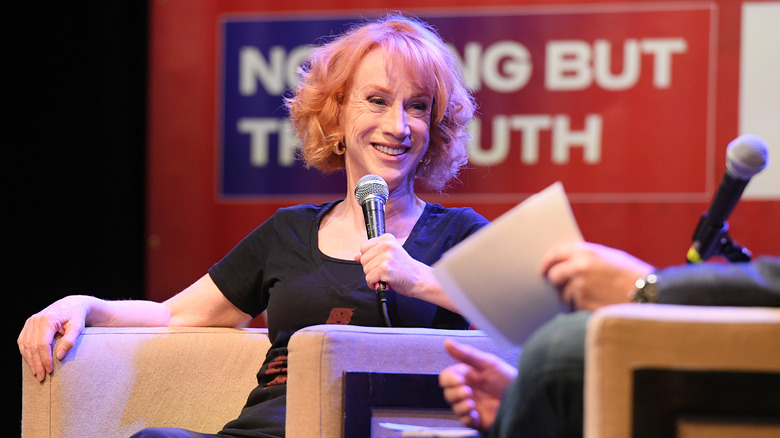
(168, 432)
(546, 399)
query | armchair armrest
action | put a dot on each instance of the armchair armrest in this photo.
(116, 381)
(695, 340)
(319, 355)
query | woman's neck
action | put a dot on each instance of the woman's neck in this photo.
(342, 230)
(402, 212)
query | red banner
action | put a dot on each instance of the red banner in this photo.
(629, 104)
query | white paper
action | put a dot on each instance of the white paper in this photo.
(493, 275)
(409, 430)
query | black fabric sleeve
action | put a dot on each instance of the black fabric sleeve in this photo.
(755, 283)
(242, 270)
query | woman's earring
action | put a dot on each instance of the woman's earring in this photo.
(425, 161)
(339, 147)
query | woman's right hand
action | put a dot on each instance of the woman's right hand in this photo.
(200, 305)
(65, 317)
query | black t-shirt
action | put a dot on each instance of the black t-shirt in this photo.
(279, 268)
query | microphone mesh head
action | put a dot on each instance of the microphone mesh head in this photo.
(746, 155)
(371, 185)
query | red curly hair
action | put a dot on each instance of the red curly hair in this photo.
(325, 78)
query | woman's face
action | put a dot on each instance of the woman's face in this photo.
(386, 122)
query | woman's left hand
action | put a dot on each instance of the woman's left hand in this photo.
(384, 259)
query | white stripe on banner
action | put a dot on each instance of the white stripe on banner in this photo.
(759, 90)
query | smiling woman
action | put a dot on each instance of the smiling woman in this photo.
(386, 98)
(413, 53)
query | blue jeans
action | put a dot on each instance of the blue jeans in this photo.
(546, 399)
(169, 432)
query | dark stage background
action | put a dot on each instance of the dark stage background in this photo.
(77, 210)
(73, 128)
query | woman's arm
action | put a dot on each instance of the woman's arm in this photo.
(201, 304)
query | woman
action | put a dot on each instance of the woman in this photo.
(386, 98)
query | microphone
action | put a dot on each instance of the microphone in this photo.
(371, 192)
(745, 156)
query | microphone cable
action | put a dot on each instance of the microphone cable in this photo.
(381, 296)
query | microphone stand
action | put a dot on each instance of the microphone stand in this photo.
(724, 246)
(731, 250)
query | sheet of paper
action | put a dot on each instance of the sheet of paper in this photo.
(493, 275)
(408, 430)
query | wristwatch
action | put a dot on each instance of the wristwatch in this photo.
(646, 290)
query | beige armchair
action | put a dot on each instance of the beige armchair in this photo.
(117, 381)
(651, 371)
(685, 371)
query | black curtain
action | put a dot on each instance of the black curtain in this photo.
(73, 133)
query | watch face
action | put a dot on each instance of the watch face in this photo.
(646, 290)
